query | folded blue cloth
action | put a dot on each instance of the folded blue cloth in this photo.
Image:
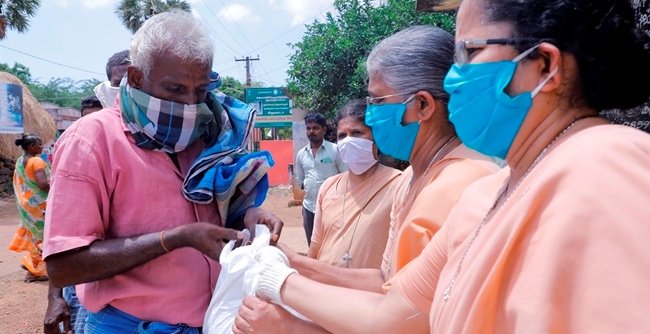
(226, 170)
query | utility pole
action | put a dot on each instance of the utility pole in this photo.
(248, 60)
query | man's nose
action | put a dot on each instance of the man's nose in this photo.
(192, 98)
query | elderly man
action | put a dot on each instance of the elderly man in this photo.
(116, 67)
(141, 255)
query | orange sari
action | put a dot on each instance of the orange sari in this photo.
(31, 202)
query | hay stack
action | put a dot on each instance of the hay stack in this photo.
(35, 120)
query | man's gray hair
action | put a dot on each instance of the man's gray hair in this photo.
(175, 31)
(414, 59)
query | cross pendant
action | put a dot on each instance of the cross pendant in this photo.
(346, 259)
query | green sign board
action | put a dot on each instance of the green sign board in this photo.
(273, 107)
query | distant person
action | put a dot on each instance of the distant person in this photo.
(115, 70)
(89, 105)
(31, 187)
(315, 162)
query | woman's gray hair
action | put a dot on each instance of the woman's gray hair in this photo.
(414, 59)
(175, 31)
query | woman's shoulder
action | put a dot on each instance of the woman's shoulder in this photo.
(610, 135)
(35, 163)
(388, 172)
(331, 181)
(464, 157)
(605, 146)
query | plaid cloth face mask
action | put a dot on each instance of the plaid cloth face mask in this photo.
(163, 125)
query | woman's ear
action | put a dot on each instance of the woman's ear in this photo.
(551, 68)
(426, 105)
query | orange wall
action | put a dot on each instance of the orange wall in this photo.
(282, 153)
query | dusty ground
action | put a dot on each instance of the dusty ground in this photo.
(22, 305)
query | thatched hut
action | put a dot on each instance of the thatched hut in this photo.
(35, 119)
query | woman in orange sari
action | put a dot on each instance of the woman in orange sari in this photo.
(31, 186)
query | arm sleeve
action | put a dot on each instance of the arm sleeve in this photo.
(417, 281)
(74, 221)
(300, 171)
(35, 164)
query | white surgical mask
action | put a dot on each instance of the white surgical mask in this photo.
(357, 154)
(106, 93)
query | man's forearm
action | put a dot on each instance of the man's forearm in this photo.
(358, 279)
(54, 293)
(107, 258)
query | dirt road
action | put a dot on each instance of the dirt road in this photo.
(22, 305)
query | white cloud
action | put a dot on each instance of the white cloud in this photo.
(302, 11)
(236, 13)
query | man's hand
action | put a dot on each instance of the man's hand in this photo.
(256, 216)
(257, 316)
(205, 237)
(57, 312)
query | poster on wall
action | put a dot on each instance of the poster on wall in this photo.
(11, 108)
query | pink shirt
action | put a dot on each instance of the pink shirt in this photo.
(105, 187)
(567, 253)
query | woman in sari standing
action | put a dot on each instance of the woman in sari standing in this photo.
(31, 186)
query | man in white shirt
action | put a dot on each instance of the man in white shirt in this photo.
(314, 163)
(115, 69)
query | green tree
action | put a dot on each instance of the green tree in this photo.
(232, 87)
(19, 70)
(63, 91)
(133, 13)
(15, 14)
(327, 68)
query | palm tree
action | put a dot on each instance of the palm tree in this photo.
(133, 13)
(15, 14)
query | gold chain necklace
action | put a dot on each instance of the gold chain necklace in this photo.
(447, 293)
(417, 189)
(347, 257)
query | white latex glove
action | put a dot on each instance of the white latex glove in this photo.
(270, 255)
(270, 279)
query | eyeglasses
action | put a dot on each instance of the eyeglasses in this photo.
(379, 99)
(462, 55)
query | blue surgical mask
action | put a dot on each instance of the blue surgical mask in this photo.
(485, 117)
(391, 136)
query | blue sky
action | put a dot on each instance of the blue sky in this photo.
(83, 34)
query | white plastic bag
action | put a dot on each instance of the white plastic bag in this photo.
(235, 281)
